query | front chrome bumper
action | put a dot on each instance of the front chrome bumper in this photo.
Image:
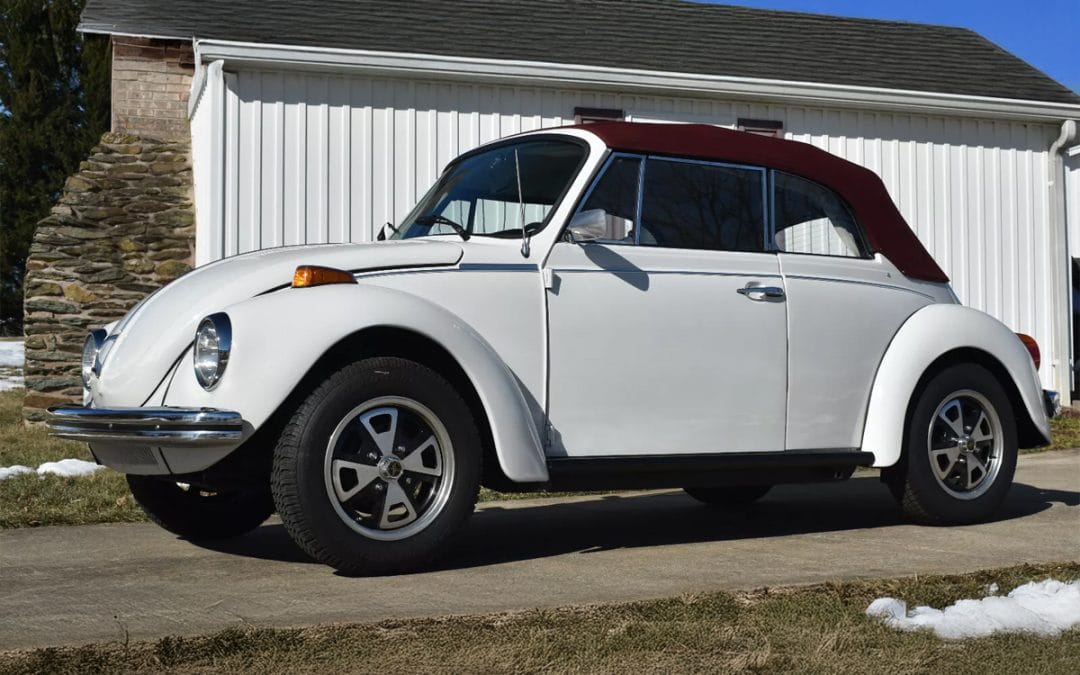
(171, 427)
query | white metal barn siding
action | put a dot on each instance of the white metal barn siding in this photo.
(312, 158)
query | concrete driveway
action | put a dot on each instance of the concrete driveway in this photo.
(69, 585)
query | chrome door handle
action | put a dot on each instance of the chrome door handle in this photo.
(765, 291)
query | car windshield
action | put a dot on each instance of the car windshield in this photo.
(496, 192)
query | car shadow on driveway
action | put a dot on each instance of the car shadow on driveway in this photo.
(508, 532)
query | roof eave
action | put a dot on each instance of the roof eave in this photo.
(562, 74)
(111, 29)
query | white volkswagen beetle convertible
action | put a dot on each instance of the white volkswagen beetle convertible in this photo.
(607, 306)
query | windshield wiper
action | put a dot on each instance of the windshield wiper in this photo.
(433, 219)
(530, 230)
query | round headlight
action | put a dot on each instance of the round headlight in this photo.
(91, 347)
(213, 341)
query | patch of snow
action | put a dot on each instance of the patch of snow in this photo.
(12, 356)
(12, 471)
(1044, 608)
(9, 381)
(12, 353)
(68, 468)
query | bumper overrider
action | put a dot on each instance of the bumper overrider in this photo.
(159, 440)
(1052, 403)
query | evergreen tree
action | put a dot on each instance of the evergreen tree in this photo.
(54, 106)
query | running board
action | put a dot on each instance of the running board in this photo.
(744, 468)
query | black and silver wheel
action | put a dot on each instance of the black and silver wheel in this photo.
(733, 495)
(197, 514)
(960, 449)
(389, 468)
(378, 468)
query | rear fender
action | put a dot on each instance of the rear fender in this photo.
(278, 337)
(929, 334)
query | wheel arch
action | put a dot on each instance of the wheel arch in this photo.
(1028, 433)
(936, 337)
(273, 366)
(406, 343)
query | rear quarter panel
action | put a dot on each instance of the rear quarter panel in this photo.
(842, 315)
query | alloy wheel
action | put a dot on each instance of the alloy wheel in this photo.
(389, 468)
(965, 442)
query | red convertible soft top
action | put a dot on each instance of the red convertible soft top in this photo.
(886, 230)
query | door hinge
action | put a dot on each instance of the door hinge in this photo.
(549, 278)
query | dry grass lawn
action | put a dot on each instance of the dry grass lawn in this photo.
(819, 629)
(30, 500)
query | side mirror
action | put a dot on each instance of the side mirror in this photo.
(386, 231)
(588, 225)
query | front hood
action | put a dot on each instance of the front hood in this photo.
(159, 330)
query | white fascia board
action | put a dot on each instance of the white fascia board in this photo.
(624, 79)
(104, 29)
(198, 85)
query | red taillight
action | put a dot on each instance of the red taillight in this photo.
(1032, 347)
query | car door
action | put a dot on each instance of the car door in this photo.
(844, 307)
(668, 335)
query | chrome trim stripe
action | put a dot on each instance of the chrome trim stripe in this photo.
(142, 417)
(159, 425)
(499, 267)
(640, 205)
(876, 284)
(188, 439)
(636, 270)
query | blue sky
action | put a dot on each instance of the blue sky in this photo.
(1038, 31)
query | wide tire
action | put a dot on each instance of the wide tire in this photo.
(960, 449)
(734, 495)
(360, 438)
(198, 515)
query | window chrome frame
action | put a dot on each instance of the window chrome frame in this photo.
(640, 206)
(865, 251)
(768, 203)
(498, 145)
(766, 212)
(643, 161)
(599, 176)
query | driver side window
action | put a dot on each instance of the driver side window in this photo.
(616, 194)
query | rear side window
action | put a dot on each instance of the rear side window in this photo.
(811, 219)
(703, 206)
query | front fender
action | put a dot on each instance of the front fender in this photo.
(927, 335)
(279, 336)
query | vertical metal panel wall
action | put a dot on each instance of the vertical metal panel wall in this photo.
(314, 158)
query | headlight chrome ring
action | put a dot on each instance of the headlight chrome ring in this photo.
(91, 346)
(213, 343)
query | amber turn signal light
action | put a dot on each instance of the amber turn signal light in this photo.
(1032, 347)
(307, 276)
